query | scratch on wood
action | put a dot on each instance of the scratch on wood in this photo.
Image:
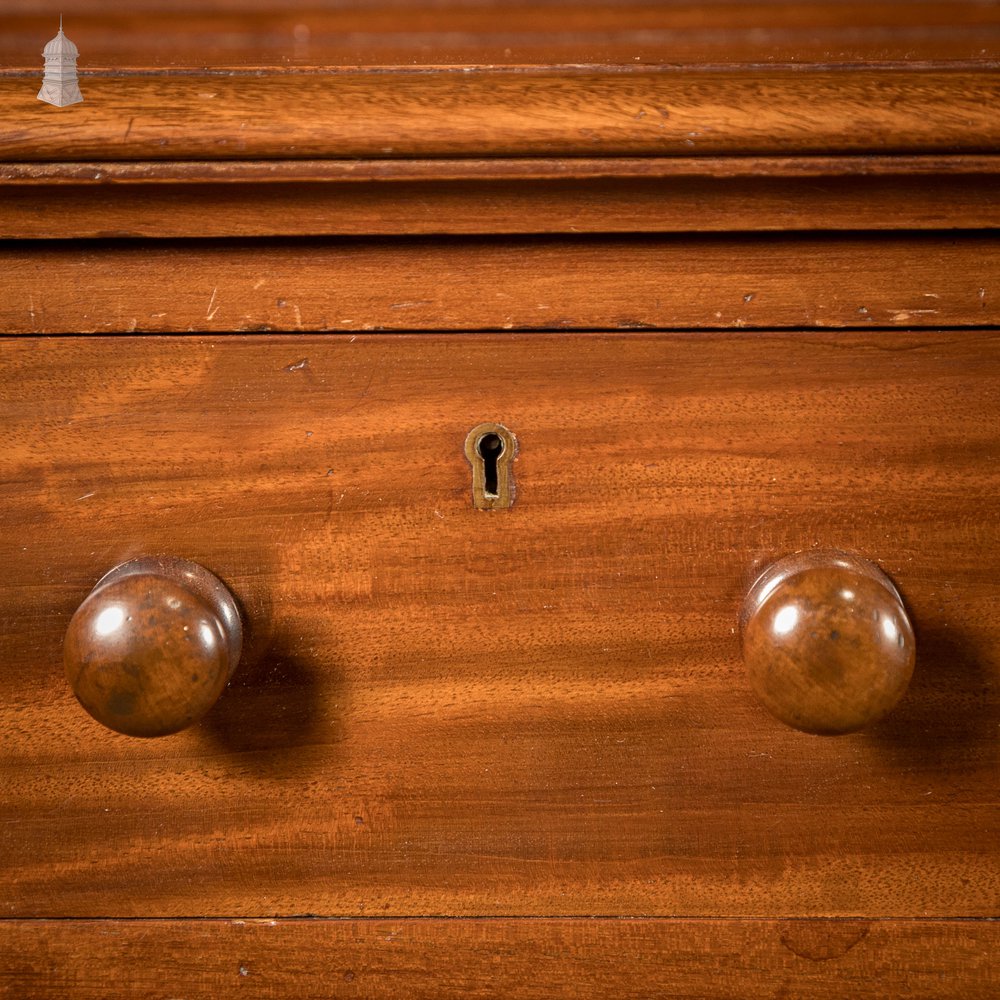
(284, 304)
(902, 315)
(297, 366)
(129, 129)
(86, 496)
(357, 402)
(210, 314)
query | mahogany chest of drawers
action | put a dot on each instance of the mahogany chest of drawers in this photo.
(719, 285)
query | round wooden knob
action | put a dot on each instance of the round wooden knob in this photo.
(827, 642)
(153, 645)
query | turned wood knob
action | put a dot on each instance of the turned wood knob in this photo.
(153, 645)
(827, 642)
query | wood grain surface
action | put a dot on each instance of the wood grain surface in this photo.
(529, 959)
(218, 198)
(904, 280)
(501, 753)
(447, 711)
(570, 111)
(264, 32)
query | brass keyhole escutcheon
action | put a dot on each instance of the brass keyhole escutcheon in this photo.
(490, 448)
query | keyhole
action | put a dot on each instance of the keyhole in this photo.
(490, 449)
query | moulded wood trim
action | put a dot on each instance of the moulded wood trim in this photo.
(396, 32)
(494, 112)
(164, 199)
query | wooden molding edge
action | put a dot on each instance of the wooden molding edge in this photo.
(540, 113)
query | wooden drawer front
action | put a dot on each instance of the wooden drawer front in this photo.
(351, 286)
(443, 710)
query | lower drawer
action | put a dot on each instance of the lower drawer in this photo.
(443, 710)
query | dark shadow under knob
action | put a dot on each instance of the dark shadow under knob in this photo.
(827, 643)
(153, 645)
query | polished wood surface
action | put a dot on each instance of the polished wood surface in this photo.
(152, 646)
(561, 723)
(827, 643)
(685, 282)
(570, 111)
(522, 959)
(213, 198)
(510, 751)
(185, 33)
